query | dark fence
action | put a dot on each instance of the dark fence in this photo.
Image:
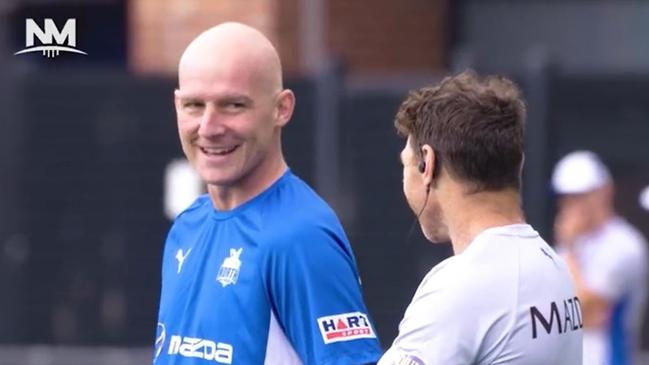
(82, 165)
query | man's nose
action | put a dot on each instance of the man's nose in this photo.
(211, 123)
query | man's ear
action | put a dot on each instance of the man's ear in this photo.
(428, 157)
(285, 106)
(177, 100)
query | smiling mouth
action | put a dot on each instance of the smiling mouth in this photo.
(218, 151)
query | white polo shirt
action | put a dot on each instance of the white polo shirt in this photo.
(507, 299)
(613, 262)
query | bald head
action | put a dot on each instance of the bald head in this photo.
(233, 50)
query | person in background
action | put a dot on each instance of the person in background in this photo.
(607, 258)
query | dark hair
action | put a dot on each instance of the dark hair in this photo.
(475, 124)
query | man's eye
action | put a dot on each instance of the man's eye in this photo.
(193, 104)
(235, 105)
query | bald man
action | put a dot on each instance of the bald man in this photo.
(258, 270)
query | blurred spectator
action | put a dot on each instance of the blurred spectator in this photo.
(607, 258)
(644, 198)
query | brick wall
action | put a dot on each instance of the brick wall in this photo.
(160, 30)
(388, 36)
(382, 36)
(287, 36)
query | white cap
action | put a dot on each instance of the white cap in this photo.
(644, 198)
(579, 172)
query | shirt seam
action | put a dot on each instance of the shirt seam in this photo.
(513, 310)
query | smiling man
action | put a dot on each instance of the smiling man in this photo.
(259, 270)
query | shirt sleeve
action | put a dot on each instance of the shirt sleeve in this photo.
(314, 289)
(438, 328)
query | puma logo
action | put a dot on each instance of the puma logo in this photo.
(181, 258)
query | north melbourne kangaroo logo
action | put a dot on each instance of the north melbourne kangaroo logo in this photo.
(52, 40)
(229, 271)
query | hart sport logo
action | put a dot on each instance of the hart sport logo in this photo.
(52, 40)
(345, 327)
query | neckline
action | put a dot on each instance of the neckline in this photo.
(226, 214)
(517, 229)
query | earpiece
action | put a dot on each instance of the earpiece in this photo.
(422, 162)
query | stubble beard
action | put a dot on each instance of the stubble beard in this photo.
(432, 224)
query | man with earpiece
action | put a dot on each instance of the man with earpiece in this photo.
(505, 297)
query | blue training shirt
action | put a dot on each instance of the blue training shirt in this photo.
(273, 281)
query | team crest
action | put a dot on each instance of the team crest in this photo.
(229, 271)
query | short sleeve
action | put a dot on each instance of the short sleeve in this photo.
(314, 289)
(433, 332)
(443, 324)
